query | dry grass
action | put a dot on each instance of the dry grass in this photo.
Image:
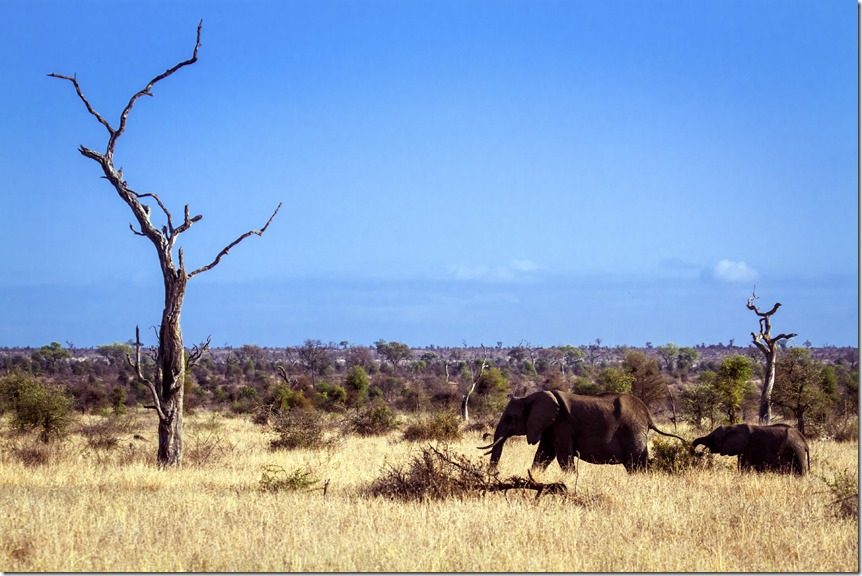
(88, 507)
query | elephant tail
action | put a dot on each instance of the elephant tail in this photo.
(654, 427)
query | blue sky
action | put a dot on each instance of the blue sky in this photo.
(451, 171)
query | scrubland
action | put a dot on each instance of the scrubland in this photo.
(80, 506)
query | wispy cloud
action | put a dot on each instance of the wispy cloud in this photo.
(514, 270)
(731, 271)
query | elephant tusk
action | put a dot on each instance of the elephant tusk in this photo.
(492, 444)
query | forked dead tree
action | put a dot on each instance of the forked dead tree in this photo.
(767, 344)
(474, 379)
(171, 366)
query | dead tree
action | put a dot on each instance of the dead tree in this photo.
(167, 384)
(768, 345)
(465, 415)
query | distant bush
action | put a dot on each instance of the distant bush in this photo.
(357, 384)
(372, 421)
(440, 426)
(36, 406)
(299, 429)
(275, 478)
(330, 397)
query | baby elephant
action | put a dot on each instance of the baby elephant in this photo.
(777, 448)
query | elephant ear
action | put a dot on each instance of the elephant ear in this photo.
(541, 414)
(736, 440)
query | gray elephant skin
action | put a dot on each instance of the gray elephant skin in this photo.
(775, 448)
(604, 429)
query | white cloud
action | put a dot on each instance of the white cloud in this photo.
(730, 271)
(523, 266)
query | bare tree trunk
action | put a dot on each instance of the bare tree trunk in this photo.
(168, 384)
(173, 372)
(765, 411)
(769, 347)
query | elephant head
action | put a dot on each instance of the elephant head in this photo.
(726, 440)
(530, 415)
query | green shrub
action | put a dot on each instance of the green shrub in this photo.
(674, 457)
(117, 397)
(372, 421)
(36, 405)
(283, 398)
(357, 384)
(275, 479)
(330, 397)
(441, 426)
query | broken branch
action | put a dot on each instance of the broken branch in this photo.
(228, 248)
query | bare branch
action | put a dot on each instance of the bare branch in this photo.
(185, 225)
(147, 91)
(137, 367)
(90, 109)
(784, 337)
(116, 133)
(158, 201)
(197, 352)
(227, 249)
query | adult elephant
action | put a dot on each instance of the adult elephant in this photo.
(778, 447)
(605, 429)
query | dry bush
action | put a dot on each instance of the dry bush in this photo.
(674, 457)
(104, 433)
(275, 478)
(440, 473)
(842, 428)
(485, 425)
(437, 427)
(844, 487)
(371, 421)
(297, 428)
(31, 453)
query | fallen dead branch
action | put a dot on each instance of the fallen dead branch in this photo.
(439, 473)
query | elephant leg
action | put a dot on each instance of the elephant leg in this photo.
(546, 452)
(637, 462)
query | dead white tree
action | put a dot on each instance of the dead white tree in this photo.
(474, 379)
(767, 344)
(170, 364)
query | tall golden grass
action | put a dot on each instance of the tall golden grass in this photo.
(99, 509)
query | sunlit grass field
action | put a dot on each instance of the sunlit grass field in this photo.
(96, 509)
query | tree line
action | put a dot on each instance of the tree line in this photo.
(814, 389)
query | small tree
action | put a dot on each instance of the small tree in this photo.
(732, 383)
(767, 344)
(648, 383)
(613, 379)
(315, 357)
(35, 405)
(357, 383)
(393, 352)
(167, 385)
(701, 400)
(800, 387)
(669, 353)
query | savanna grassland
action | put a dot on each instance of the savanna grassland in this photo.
(81, 505)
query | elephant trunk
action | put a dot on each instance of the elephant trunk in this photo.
(500, 437)
(497, 451)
